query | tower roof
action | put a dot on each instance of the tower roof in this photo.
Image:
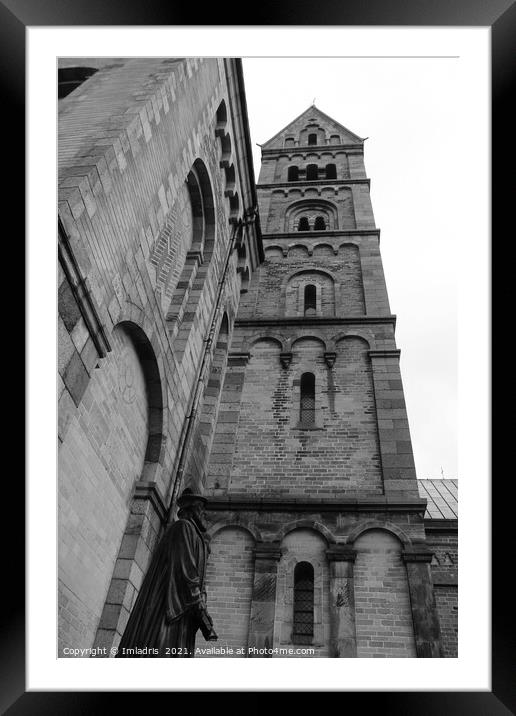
(313, 116)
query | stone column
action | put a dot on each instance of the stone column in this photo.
(398, 469)
(263, 605)
(422, 601)
(343, 639)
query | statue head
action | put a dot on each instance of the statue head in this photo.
(191, 507)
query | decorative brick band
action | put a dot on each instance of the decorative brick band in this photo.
(392, 353)
(320, 321)
(248, 504)
(314, 149)
(436, 525)
(314, 182)
(320, 234)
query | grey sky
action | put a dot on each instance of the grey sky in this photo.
(408, 109)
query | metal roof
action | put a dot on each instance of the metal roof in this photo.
(442, 498)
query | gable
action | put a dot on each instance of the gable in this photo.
(313, 121)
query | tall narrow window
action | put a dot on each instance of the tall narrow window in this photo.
(311, 172)
(310, 300)
(319, 224)
(303, 224)
(293, 174)
(331, 171)
(312, 139)
(307, 407)
(303, 630)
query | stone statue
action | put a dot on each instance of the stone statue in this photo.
(171, 604)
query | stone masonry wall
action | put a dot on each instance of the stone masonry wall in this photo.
(446, 598)
(229, 585)
(128, 140)
(444, 569)
(382, 605)
(275, 454)
(335, 263)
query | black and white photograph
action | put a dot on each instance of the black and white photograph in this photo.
(261, 409)
(236, 471)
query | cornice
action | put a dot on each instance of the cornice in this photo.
(243, 503)
(321, 234)
(436, 525)
(315, 182)
(315, 321)
(314, 149)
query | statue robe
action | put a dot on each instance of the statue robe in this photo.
(164, 614)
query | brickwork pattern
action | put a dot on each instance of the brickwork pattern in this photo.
(275, 291)
(302, 545)
(275, 454)
(229, 585)
(128, 138)
(446, 598)
(383, 614)
(101, 457)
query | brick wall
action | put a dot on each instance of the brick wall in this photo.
(100, 458)
(275, 453)
(229, 585)
(130, 137)
(382, 605)
(446, 597)
(302, 545)
(444, 569)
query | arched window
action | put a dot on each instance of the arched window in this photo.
(307, 402)
(303, 627)
(69, 78)
(310, 300)
(319, 224)
(289, 142)
(312, 138)
(311, 172)
(335, 139)
(303, 224)
(293, 173)
(331, 171)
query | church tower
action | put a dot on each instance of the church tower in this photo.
(317, 525)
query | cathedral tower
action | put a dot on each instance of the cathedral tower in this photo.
(317, 524)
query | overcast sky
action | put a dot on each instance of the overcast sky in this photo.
(408, 109)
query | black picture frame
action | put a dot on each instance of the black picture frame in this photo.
(500, 15)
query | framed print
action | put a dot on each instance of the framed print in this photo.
(237, 477)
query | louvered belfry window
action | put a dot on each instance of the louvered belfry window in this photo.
(307, 411)
(303, 630)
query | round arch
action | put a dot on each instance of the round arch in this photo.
(378, 525)
(233, 524)
(156, 396)
(306, 524)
